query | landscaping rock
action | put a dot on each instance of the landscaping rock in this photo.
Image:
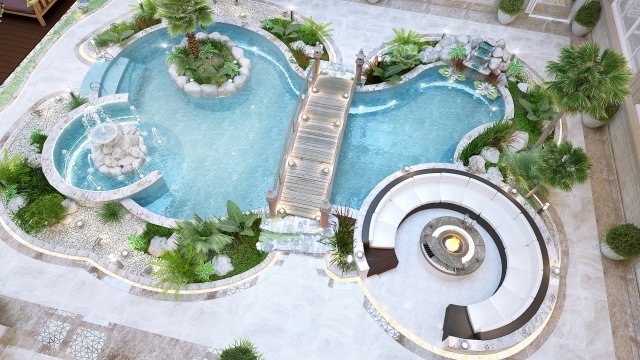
(227, 88)
(503, 66)
(462, 39)
(429, 54)
(490, 154)
(475, 41)
(16, 203)
(193, 89)
(70, 206)
(448, 40)
(201, 35)
(298, 44)
(501, 43)
(209, 91)
(494, 174)
(244, 62)
(518, 141)
(181, 81)
(308, 51)
(237, 52)
(215, 36)
(240, 81)
(497, 53)
(506, 56)
(222, 265)
(476, 164)
(158, 246)
(494, 63)
(172, 242)
(524, 87)
(224, 38)
(244, 71)
(173, 71)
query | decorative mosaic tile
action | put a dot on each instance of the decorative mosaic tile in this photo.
(381, 321)
(63, 313)
(86, 344)
(52, 333)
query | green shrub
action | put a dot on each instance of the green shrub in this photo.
(145, 16)
(175, 269)
(153, 230)
(312, 32)
(203, 235)
(214, 64)
(43, 212)
(624, 240)
(37, 139)
(138, 242)
(9, 193)
(520, 115)
(110, 212)
(588, 14)
(15, 172)
(495, 135)
(406, 37)
(342, 243)
(511, 7)
(75, 100)
(289, 32)
(241, 350)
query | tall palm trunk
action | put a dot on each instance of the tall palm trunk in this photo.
(547, 131)
(533, 191)
(194, 47)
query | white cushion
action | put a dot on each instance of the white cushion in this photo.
(519, 257)
(407, 199)
(536, 256)
(510, 234)
(383, 236)
(506, 206)
(528, 236)
(452, 188)
(520, 281)
(477, 195)
(483, 314)
(427, 179)
(428, 192)
(454, 179)
(508, 304)
(391, 214)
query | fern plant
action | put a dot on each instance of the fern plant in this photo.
(138, 242)
(406, 37)
(286, 33)
(203, 235)
(312, 31)
(37, 139)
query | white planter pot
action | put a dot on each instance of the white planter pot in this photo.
(590, 122)
(505, 19)
(608, 253)
(579, 30)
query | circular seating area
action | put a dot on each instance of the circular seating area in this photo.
(524, 257)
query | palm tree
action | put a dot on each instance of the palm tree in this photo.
(562, 166)
(585, 80)
(203, 235)
(183, 17)
(523, 168)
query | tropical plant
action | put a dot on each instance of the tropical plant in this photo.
(204, 271)
(586, 80)
(237, 221)
(286, 33)
(486, 89)
(516, 69)
(146, 15)
(406, 37)
(37, 139)
(311, 31)
(342, 242)
(240, 350)
(457, 54)
(114, 37)
(301, 57)
(406, 56)
(214, 64)
(624, 240)
(495, 135)
(14, 170)
(175, 269)
(511, 7)
(562, 166)
(43, 212)
(153, 230)
(588, 14)
(203, 235)
(231, 69)
(522, 168)
(138, 242)
(183, 17)
(539, 111)
(110, 212)
(75, 100)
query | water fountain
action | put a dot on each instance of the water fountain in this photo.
(116, 149)
(134, 112)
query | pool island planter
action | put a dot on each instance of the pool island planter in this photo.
(210, 91)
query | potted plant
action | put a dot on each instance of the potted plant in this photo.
(508, 10)
(621, 242)
(586, 18)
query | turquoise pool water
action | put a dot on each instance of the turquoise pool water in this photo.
(210, 151)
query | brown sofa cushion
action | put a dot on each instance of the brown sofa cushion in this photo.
(18, 6)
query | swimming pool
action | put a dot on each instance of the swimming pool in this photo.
(212, 150)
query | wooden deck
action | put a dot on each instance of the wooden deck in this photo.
(311, 163)
(19, 35)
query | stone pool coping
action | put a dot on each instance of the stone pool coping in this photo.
(82, 195)
(504, 346)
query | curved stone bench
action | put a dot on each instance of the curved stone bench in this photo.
(525, 263)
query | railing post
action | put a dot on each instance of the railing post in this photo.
(359, 63)
(317, 55)
(325, 211)
(272, 200)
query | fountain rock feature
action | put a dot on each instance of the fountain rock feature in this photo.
(117, 149)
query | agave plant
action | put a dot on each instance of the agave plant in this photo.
(183, 17)
(203, 235)
(237, 221)
(486, 89)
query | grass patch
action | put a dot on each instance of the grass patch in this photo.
(495, 135)
(110, 212)
(41, 213)
(243, 253)
(520, 120)
(37, 139)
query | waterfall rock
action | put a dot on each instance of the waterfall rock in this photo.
(429, 54)
(490, 154)
(494, 63)
(497, 53)
(475, 41)
(120, 155)
(501, 43)
(222, 265)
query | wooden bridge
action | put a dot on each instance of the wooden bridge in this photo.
(307, 173)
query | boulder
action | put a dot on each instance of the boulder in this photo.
(126, 169)
(503, 66)
(115, 171)
(490, 154)
(475, 41)
(240, 81)
(127, 160)
(16, 203)
(157, 246)
(448, 40)
(227, 88)
(70, 206)
(468, 49)
(308, 51)
(298, 44)
(518, 141)
(209, 90)
(104, 169)
(184, 42)
(462, 39)
(193, 89)
(501, 43)
(494, 174)
(429, 54)
(172, 242)
(215, 36)
(497, 53)
(224, 38)
(244, 62)
(524, 87)
(244, 71)
(181, 81)
(494, 63)
(173, 71)
(237, 52)
(445, 53)
(506, 56)
(476, 164)
(201, 35)
(222, 265)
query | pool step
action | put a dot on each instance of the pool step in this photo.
(94, 75)
(131, 80)
(113, 76)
